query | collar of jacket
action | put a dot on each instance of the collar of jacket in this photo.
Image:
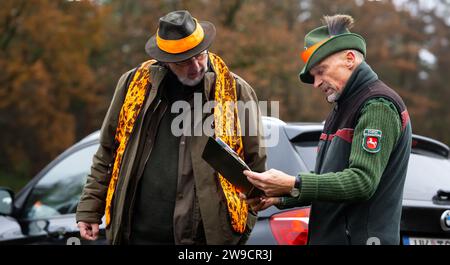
(361, 77)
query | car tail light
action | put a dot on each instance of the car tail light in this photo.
(291, 227)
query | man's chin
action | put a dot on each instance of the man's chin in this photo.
(333, 98)
(191, 82)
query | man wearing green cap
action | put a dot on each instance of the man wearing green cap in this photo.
(363, 152)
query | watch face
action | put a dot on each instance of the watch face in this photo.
(295, 192)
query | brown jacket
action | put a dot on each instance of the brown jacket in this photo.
(212, 203)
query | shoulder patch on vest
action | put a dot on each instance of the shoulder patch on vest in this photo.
(371, 140)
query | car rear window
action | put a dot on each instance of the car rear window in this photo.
(308, 152)
(426, 175)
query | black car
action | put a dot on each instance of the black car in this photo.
(43, 212)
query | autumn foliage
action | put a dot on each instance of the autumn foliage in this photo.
(60, 60)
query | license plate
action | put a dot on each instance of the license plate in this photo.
(425, 241)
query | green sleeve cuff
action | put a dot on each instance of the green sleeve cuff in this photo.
(310, 187)
(286, 203)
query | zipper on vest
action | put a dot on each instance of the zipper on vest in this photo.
(333, 118)
(328, 128)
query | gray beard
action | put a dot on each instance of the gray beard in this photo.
(333, 97)
(190, 82)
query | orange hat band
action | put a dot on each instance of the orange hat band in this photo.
(309, 51)
(184, 44)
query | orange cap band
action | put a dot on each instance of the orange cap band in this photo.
(184, 44)
(308, 52)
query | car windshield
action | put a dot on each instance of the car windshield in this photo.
(59, 190)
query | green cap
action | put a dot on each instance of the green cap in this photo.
(327, 40)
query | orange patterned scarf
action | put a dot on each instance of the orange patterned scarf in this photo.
(127, 117)
(227, 127)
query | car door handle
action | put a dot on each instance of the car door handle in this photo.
(442, 197)
(60, 232)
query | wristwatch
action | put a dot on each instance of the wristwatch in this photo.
(295, 191)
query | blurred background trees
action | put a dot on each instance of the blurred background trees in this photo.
(60, 60)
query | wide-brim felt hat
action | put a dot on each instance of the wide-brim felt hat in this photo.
(180, 37)
(319, 44)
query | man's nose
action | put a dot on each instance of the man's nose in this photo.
(317, 82)
(194, 63)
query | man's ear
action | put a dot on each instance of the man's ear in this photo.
(350, 59)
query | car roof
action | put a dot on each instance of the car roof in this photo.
(93, 137)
